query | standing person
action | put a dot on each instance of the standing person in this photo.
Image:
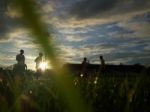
(84, 67)
(38, 60)
(102, 62)
(20, 67)
(20, 58)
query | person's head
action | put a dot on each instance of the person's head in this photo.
(21, 51)
(101, 57)
(40, 54)
(84, 59)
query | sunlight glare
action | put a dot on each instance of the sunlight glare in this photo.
(43, 66)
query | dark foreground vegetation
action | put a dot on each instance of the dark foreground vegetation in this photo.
(104, 93)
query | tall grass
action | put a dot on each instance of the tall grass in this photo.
(102, 93)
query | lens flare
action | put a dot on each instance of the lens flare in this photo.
(43, 66)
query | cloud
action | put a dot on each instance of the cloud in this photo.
(48, 7)
(99, 8)
(76, 54)
(107, 38)
(140, 24)
(88, 8)
(12, 11)
(8, 20)
(3, 18)
(77, 38)
(67, 53)
(130, 52)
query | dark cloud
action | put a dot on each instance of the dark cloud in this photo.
(3, 18)
(86, 8)
(7, 23)
(90, 8)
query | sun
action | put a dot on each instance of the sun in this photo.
(43, 66)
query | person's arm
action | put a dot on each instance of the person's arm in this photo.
(26, 67)
(23, 58)
(35, 60)
(16, 57)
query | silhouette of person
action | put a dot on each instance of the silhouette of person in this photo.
(84, 66)
(38, 60)
(20, 58)
(102, 62)
(20, 66)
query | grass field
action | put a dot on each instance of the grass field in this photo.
(101, 93)
(61, 91)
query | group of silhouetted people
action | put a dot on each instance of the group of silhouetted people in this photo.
(21, 67)
(85, 63)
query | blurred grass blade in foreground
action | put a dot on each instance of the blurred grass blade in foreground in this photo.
(31, 18)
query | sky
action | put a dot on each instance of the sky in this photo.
(117, 29)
